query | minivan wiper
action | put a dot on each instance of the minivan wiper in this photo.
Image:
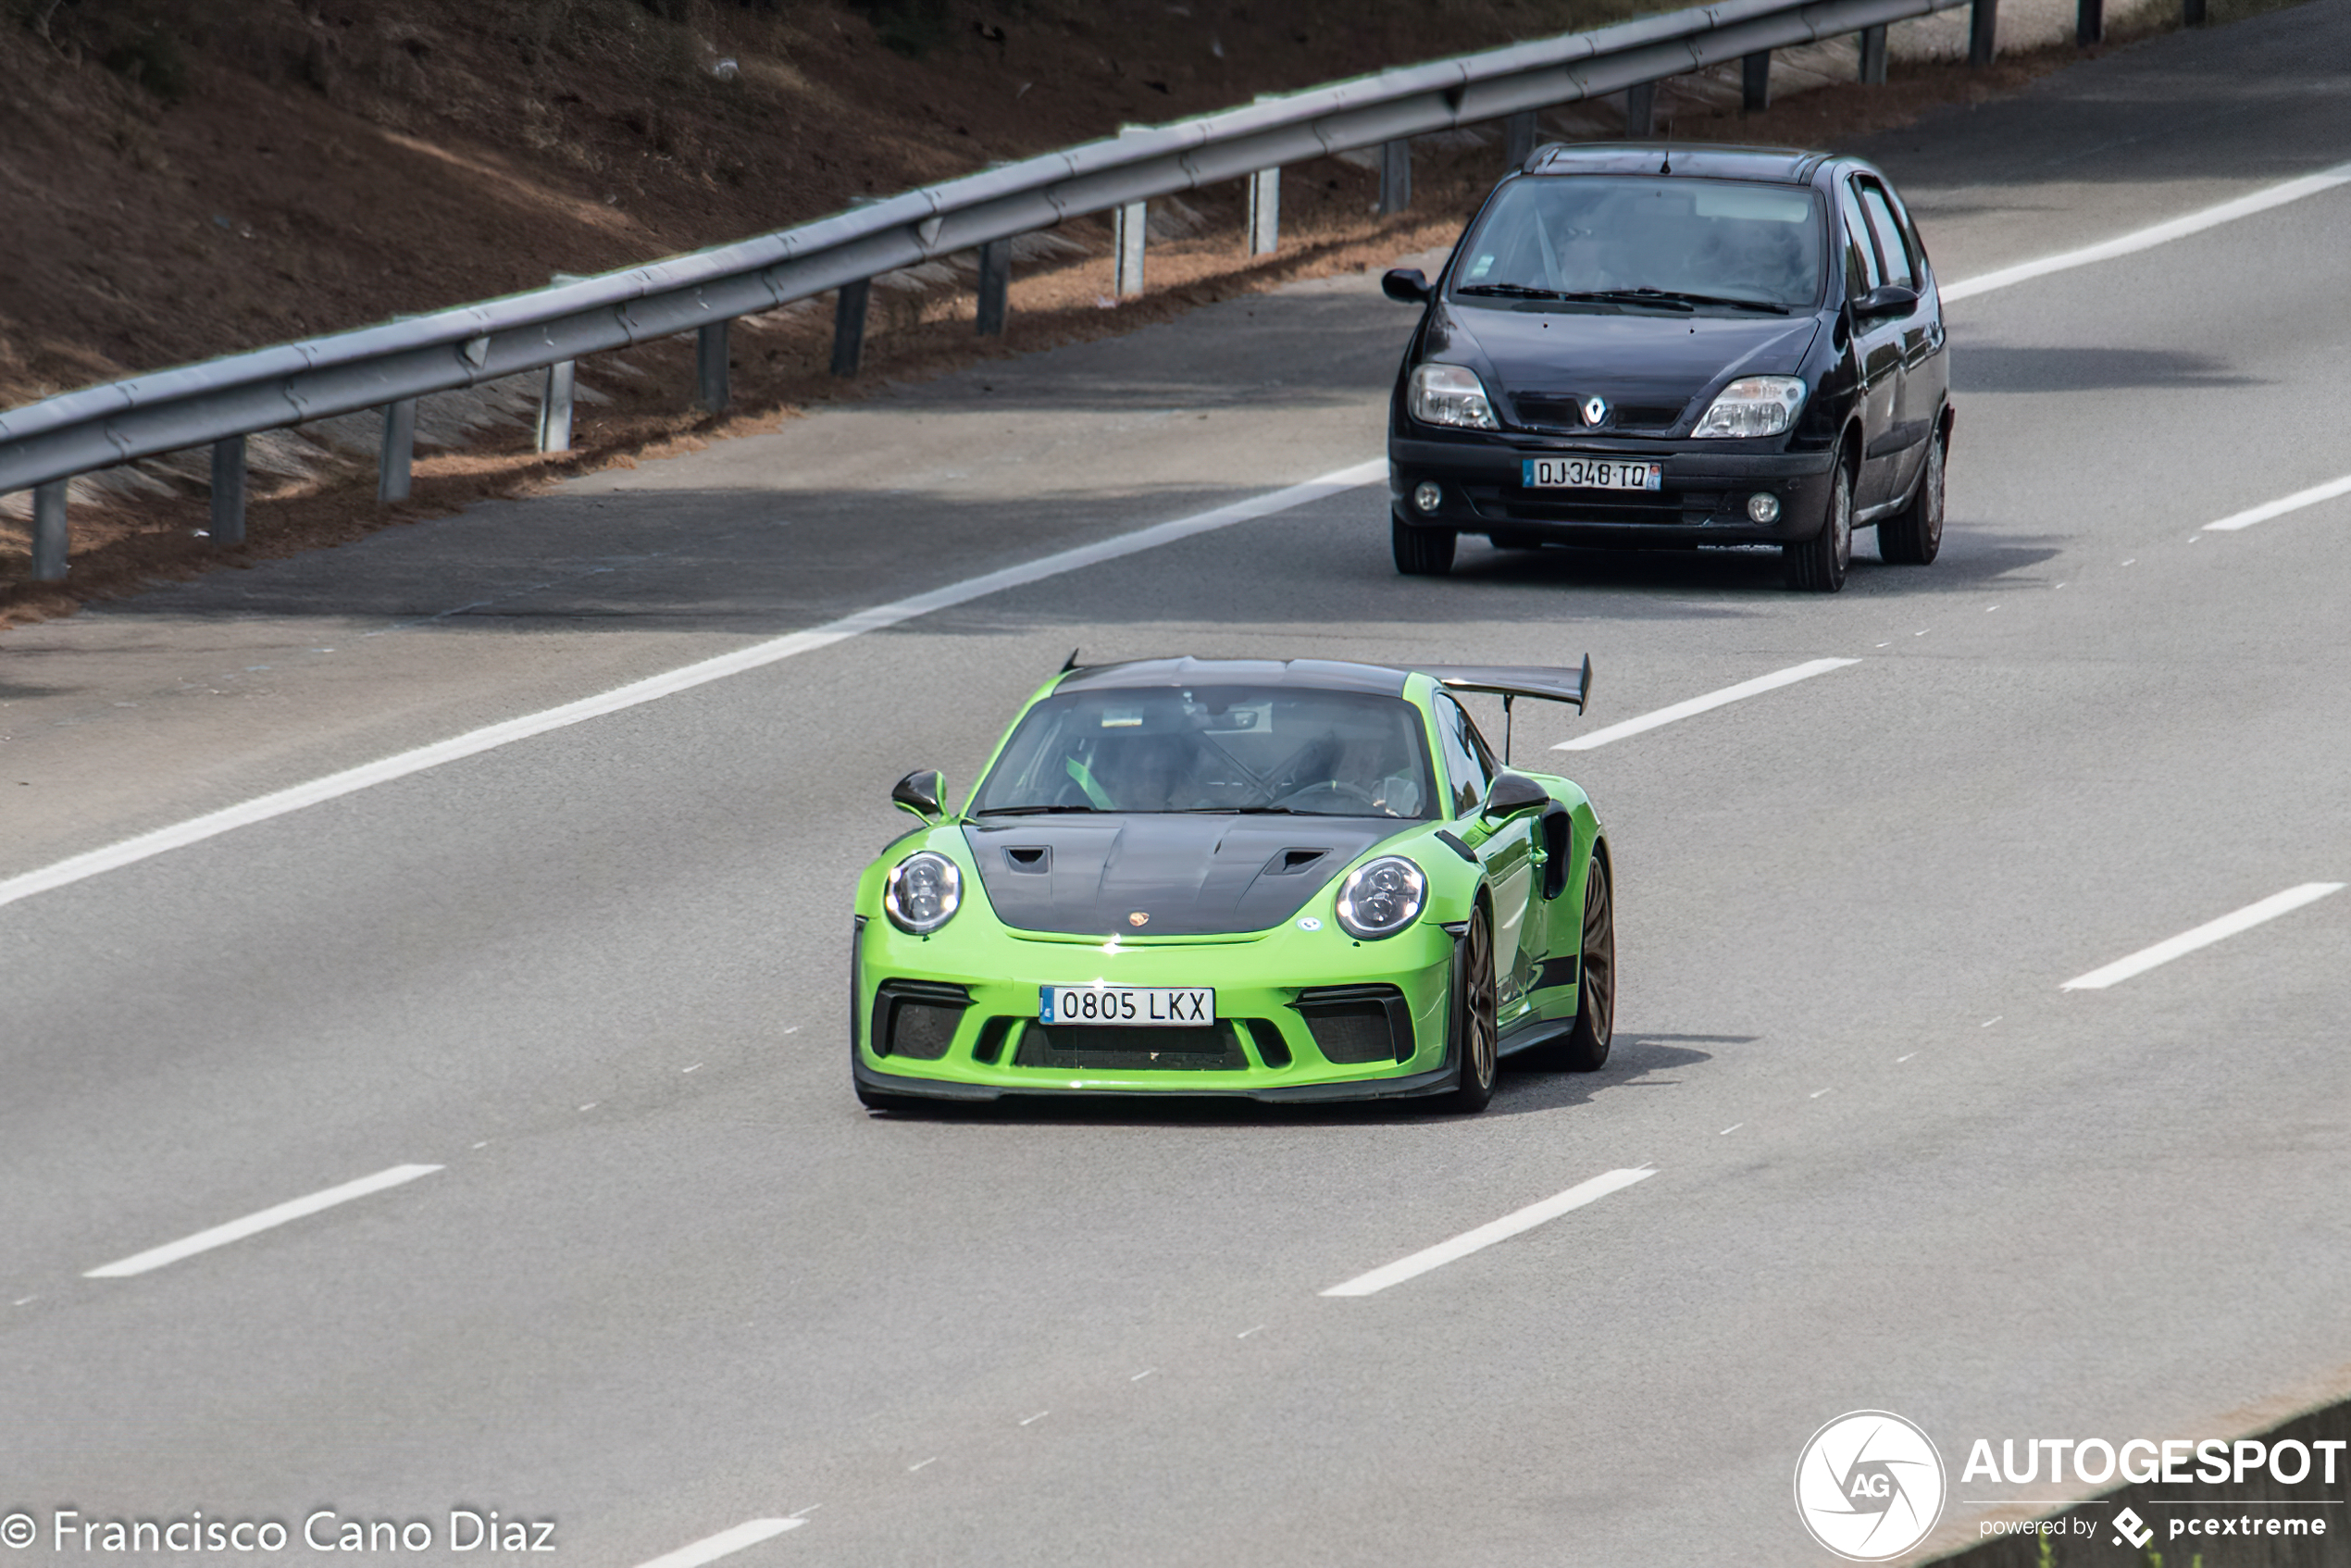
(1512, 290)
(1677, 296)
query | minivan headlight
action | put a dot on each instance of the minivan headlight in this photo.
(923, 892)
(1451, 394)
(1754, 405)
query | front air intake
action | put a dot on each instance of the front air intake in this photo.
(917, 1019)
(1352, 1025)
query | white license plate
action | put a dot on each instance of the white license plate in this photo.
(1130, 1006)
(1590, 473)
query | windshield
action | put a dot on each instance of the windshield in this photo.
(1214, 749)
(1697, 243)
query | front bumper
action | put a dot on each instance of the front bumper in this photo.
(1267, 1048)
(1703, 499)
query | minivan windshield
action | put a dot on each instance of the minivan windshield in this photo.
(1238, 748)
(1669, 243)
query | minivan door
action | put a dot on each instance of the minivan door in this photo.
(1877, 354)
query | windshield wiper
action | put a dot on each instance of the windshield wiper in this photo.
(1030, 811)
(1677, 296)
(1513, 290)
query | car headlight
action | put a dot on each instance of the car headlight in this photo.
(1754, 405)
(1381, 897)
(923, 892)
(1451, 394)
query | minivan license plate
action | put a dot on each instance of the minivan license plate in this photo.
(1592, 473)
(1128, 1006)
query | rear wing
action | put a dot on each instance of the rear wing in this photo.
(1510, 682)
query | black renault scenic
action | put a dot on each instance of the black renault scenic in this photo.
(1655, 346)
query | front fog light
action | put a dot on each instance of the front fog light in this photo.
(1763, 506)
(1427, 496)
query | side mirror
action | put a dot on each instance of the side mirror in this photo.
(1405, 285)
(921, 792)
(1886, 299)
(1512, 793)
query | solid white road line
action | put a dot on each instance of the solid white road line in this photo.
(253, 1225)
(710, 1548)
(1759, 685)
(2244, 919)
(1485, 1236)
(2148, 237)
(654, 687)
(2294, 502)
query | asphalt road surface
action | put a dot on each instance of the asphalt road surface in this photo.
(664, 1277)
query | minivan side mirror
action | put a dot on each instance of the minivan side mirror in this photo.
(1405, 285)
(1886, 299)
(921, 792)
(1512, 793)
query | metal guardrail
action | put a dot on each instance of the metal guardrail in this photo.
(219, 401)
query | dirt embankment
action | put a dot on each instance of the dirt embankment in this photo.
(186, 177)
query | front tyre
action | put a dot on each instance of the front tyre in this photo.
(1585, 1050)
(1420, 552)
(1913, 535)
(1476, 1015)
(1817, 565)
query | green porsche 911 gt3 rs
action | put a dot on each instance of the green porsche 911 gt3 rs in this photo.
(1307, 880)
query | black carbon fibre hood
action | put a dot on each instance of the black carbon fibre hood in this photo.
(1190, 875)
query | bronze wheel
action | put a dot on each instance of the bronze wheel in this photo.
(1586, 1048)
(1476, 1010)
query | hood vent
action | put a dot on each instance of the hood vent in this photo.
(1029, 857)
(1290, 862)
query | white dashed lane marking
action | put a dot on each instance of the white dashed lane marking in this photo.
(1712, 700)
(2228, 926)
(253, 1225)
(710, 1548)
(1485, 1236)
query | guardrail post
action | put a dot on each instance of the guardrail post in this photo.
(1984, 31)
(554, 407)
(995, 286)
(1755, 81)
(1640, 109)
(1519, 133)
(1873, 55)
(2089, 23)
(2192, 13)
(1395, 177)
(1126, 240)
(228, 492)
(710, 367)
(1264, 211)
(399, 447)
(849, 327)
(49, 531)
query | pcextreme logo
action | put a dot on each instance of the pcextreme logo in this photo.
(1868, 1486)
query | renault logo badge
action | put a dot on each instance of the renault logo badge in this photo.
(1595, 410)
(1140, 918)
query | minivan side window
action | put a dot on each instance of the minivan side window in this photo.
(1861, 270)
(1891, 243)
(1464, 771)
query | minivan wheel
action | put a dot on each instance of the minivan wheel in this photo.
(1421, 552)
(1817, 565)
(1914, 535)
